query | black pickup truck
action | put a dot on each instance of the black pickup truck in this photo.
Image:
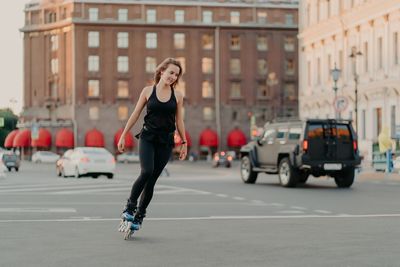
(297, 149)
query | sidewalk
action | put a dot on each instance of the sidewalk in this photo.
(368, 173)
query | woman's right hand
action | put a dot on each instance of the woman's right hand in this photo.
(121, 144)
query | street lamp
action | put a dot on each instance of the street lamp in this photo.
(353, 56)
(335, 76)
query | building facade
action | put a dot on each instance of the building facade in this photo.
(361, 39)
(86, 62)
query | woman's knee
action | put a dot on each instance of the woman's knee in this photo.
(146, 173)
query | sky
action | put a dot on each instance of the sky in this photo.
(11, 55)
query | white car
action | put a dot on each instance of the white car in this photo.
(45, 156)
(128, 157)
(60, 162)
(89, 161)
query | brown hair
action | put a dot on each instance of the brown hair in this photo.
(163, 66)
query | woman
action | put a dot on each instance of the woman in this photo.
(156, 139)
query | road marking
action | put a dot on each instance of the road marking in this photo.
(323, 211)
(276, 204)
(298, 208)
(295, 217)
(291, 211)
(238, 198)
(257, 202)
(39, 210)
(221, 195)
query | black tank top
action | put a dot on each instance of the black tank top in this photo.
(159, 122)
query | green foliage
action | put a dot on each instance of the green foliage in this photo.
(10, 123)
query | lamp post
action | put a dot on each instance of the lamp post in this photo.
(353, 56)
(335, 76)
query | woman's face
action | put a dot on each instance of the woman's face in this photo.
(170, 75)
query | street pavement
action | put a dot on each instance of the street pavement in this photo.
(199, 216)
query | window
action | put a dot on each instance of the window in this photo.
(181, 86)
(363, 123)
(281, 133)
(309, 73)
(182, 60)
(289, 92)
(262, 17)
(341, 60)
(294, 133)
(122, 64)
(318, 70)
(208, 113)
(151, 64)
(235, 90)
(365, 57)
(122, 14)
(123, 89)
(207, 90)
(207, 41)
(207, 17)
(151, 15)
(269, 135)
(262, 67)
(53, 90)
(235, 17)
(262, 43)
(93, 88)
(289, 67)
(54, 65)
(377, 121)
(151, 40)
(262, 91)
(179, 16)
(93, 14)
(396, 48)
(207, 65)
(329, 68)
(289, 19)
(235, 42)
(380, 53)
(289, 44)
(93, 39)
(393, 121)
(234, 66)
(122, 113)
(94, 63)
(54, 42)
(94, 113)
(179, 40)
(122, 40)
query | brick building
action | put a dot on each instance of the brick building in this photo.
(86, 62)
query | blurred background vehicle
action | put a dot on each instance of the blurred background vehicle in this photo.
(45, 156)
(10, 160)
(89, 161)
(222, 159)
(60, 161)
(128, 157)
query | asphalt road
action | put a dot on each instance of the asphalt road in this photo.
(199, 216)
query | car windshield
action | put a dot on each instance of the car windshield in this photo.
(94, 151)
(47, 153)
(9, 157)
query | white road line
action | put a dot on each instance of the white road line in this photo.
(276, 204)
(238, 198)
(60, 187)
(323, 211)
(257, 202)
(38, 210)
(297, 208)
(295, 217)
(221, 195)
(291, 211)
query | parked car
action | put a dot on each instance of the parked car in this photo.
(89, 161)
(10, 160)
(45, 156)
(222, 159)
(294, 150)
(128, 157)
(60, 161)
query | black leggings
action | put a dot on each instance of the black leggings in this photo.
(153, 158)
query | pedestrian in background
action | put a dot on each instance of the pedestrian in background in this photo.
(385, 146)
(156, 139)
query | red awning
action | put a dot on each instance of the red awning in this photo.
(129, 143)
(8, 143)
(44, 139)
(208, 138)
(236, 138)
(22, 139)
(65, 138)
(94, 138)
(178, 140)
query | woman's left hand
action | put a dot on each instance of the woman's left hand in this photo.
(183, 153)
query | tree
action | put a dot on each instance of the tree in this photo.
(10, 123)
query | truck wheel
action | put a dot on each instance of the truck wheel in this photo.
(246, 170)
(345, 178)
(288, 176)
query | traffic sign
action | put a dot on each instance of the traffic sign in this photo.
(340, 103)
